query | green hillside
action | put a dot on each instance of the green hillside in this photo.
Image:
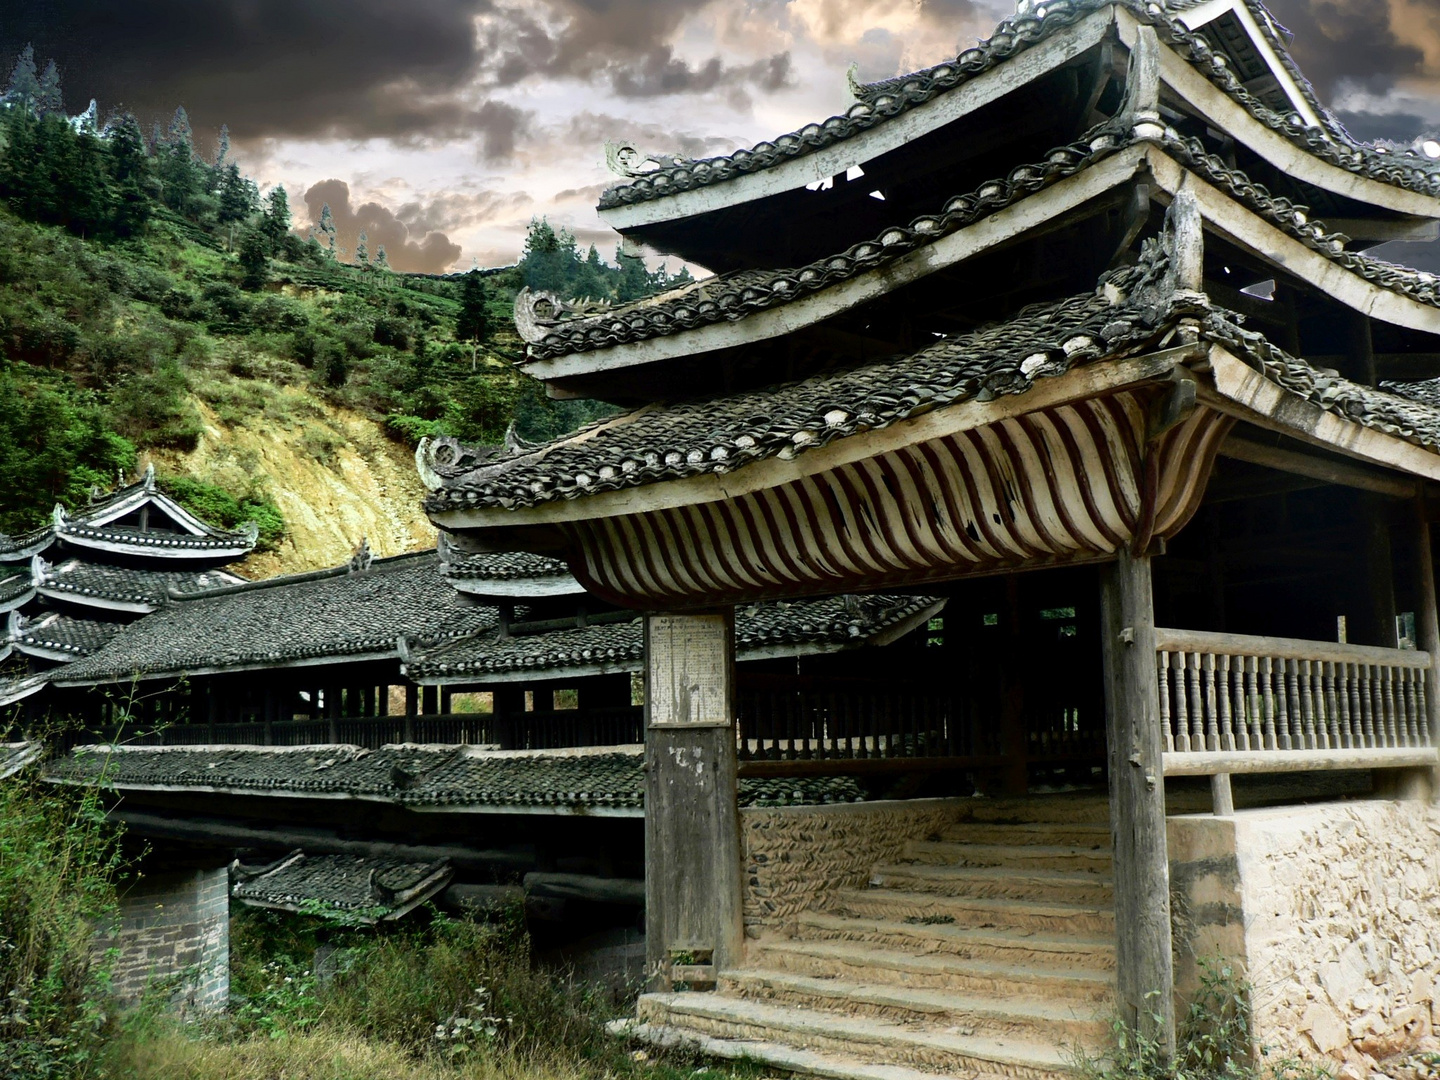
(141, 287)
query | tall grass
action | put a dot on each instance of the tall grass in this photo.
(59, 862)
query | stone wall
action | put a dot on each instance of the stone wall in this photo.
(1340, 932)
(175, 926)
(796, 856)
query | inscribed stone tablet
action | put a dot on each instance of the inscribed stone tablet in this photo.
(689, 665)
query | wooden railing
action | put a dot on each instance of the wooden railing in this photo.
(1230, 703)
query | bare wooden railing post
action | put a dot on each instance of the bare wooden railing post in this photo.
(1145, 978)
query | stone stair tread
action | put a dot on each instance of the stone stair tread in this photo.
(1026, 938)
(1029, 851)
(980, 903)
(1003, 1052)
(962, 873)
(917, 998)
(1031, 828)
(935, 962)
(779, 1055)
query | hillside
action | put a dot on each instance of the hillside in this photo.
(154, 308)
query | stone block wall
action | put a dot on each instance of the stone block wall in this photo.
(795, 857)
(175, 926)
(1333, 913)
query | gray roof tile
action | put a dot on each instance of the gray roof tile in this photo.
(335, 613)
(55, 633)
(884, 101)
(605, 779)
(363, 888)
(85, 580)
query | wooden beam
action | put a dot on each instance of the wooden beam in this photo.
(1328, 471)
(692, 818)
(1145, 977)
(1207, 763)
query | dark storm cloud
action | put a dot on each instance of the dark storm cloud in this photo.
(351, 68)
(1396, 127)
(661, 72)
(460, 209)
(1338, 40)
(405, 248)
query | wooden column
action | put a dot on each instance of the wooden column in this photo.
(1378, 625)
(1145, 978)
(692, 821)
(1427, 630)
(509, 713)
(1017, 668)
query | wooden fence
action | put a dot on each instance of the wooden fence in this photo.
(1230, 703)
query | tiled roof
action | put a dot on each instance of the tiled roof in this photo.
(1126, 315)
(336, 613)
(364, 888)
(833, 622)
(156, 540)
(505, 566)
(596, 780)
(1129, 313)
(734, 296)
(15, 589)
(16, 756)
(18, 689)
(24, 545)
(99, 581)
(885, 101)
(54, 633)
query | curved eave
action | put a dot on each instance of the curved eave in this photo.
(18, 601)
(48, 652)
(25, 554)
(795, 173)
(156, 550)
(91, 600)
(184, 671)
(517, 588)
(19, 690)
(1224, 113)
(1077, 384)
(7, 649)
(1223, 215)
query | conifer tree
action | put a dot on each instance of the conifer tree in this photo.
(362, 249)
(325, 231)
(49, 98)
(24, 86)
(275, 224)
(175, 161)
(473, 322)
(253, 263)
(222, 149)
(130, 175)
(382, 261)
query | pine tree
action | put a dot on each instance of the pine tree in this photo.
(362, 249)
(131, 183)
(238, 196)
(175, 161)
(634, 278)
(253, 263)
(275, 225)
(473, 322)
(382, 261)
(222, 149)
(49, 98)
(24, 86)
(327, 228)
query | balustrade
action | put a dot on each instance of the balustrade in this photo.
(1230, 703)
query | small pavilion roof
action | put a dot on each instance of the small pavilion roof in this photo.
(515, 575)
(786, 628)
(16, 588)
(102, 526)
(1132, 311)
(16, 755)
(882, 103)
(360, 888)
(122, 588)
(598, 781)
(348, 613)
(54, 635)
(736, 297)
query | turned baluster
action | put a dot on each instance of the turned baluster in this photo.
(1182, 707)
(1227, 729)
(1267, 703)
(1282, 704)
(1164, 663)
(1307, 703)
(1197, 706)
(1212, 712)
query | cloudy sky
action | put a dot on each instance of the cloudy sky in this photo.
(442, 126)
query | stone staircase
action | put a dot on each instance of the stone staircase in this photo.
(984, 951)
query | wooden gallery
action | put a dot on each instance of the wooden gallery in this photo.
(1024, 538)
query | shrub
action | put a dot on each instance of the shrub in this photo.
(217, 506)
(59, 861)
(152, 409)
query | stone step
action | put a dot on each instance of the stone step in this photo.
(976, 913)
(864, 963)
(779, 1056)
(1069, 952)
(858, 1037)
(1046, 833)
(1023, 1018)
(1069, 809)
(1018, 857)
(1039, 886)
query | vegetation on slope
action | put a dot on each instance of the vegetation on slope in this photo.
(140, 284)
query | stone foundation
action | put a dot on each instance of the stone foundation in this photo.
(1332, 912)
(795, 857)
(175, 926)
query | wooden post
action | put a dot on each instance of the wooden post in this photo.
(1427, 628)
(1379, 615)
(692, 820)
(1012, 703)
(1145, 978)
